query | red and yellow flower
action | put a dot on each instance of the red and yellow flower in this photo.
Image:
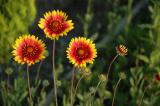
(81, 51)
(55, 24)
(28, 49)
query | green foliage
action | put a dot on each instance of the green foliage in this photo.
(142, 77)
(16, 94)
(15, 18)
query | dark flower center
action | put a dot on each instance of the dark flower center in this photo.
(29, 51)
(81, 53)
(55, 25)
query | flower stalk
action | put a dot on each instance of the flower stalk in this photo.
(72, 84)
(114, 94)
(38, 71)
(54, 74)
(77, 85)
(95, 91)
(29, 88)
(145, 89)
(110, 65)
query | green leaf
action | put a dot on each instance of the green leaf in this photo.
(143, 58)
(132, 81)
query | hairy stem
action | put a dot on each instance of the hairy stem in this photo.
(77, 86)
(38, 71)
(72, 80)
(145, 89)
(29, 88)
(109, 68)
(114, 94)
(8, 83)
(54, 74)
(96, 91)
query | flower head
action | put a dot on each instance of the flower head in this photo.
(102, 77)
(81, 51)
(28, 49)
(55, 24)
(122, 50)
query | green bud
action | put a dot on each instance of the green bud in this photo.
(9, 71)
(92, 89)
(102, 77)
(45, 83)
(86, 71)
(59, 83)
(122, 75)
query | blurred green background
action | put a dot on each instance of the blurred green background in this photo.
(134, 23)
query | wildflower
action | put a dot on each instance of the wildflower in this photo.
(28, 49)
(122, 50)
(55, 24)
(102, 78)
(81, 51)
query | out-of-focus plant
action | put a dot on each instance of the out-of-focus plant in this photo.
(14, 21)
(143, 87)
(16, 94)
(121, 77)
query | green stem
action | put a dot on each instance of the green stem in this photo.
(8, 83)
(77, 86)
(29, 88)
(115, 91)
(96, 91)
(54, 74)
(8, 88)
(109, 68)
(72, 80)
(145, 89)
(38, 71)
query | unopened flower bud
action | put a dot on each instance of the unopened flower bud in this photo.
(86, 71)
(122, 75)
(45, 83)
(59, 83)
(92, 89)
(102, 77)
(9, 71)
